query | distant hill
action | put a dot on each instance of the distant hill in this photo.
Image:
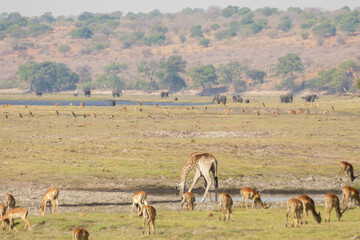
(256, 39)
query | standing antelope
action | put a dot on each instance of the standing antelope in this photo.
(52, 194)
(16, 213)
(308, 204)
(225, 209)
(139, 199)
(332, 201)
(190, 198)
(9, 201)
(80, 234)
(349, 170)
(294, 207)
(202, 164)
(149, 213)
(249, 193)
(352, 193)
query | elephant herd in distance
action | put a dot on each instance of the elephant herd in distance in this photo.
(288, 98)
(222, 99)
(284, 98)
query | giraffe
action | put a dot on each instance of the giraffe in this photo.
(202, 164)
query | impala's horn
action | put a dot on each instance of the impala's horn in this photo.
(267, 205)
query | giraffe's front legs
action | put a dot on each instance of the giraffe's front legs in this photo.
(195, 179)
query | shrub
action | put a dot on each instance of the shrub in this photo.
(305, 35)
(155, 39)
(204, 42)
(196, 31)
(182, 38)
(214, 26)
(229, 11)
(285, 25)
(308, 23)
(64, 48)
(324, 29)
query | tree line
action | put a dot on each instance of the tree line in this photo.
(171, 72)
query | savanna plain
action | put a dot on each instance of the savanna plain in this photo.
(99, 162)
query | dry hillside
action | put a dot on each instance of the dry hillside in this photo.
(258, 51)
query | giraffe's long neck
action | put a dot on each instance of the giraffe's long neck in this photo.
(182, 180)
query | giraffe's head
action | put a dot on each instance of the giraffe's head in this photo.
(181, 187)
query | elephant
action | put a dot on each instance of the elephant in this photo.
(87, 93)
(310, 98)
(38, 93)
(75, 94)
(220, 99)
(164, 94)
(247, 101)
(286, 98)
(112, 103)
(116, 93)
(237, 99)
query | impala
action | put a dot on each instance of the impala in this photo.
(345, 166)
(332, 201)
(294, 209)
(52, 195)
(225, 209)
(9, 201)
(308, 204)
(149, 213)
(190, 198)
(139, 199)
(80, 234)
(16, 213)
(249, 193)
(352, 193)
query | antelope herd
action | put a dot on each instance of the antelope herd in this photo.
(203, 165)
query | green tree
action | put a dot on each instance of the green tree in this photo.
(248, 19)
(287, 67)
(214, 26)
(204, 76)
(64, 48)
(256, 75)
(230, 73)
(285, 24)
(196, 31)
(149, 69)
(324, 29)
(169, 72)
(204, 42)
(349, 24)
(229, 11)
(268, 11)
(155, 39)
(115, 68)
(48, 76)
(83, 32)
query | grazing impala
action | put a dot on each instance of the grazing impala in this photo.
(308, 204)
(16, 213)
(352, 193)
(149, 213)
(345, 166)
(225, 209)
(139, 199)
(202, 164)
(294, 209)
(80, 234)
(190, 198)
(249, 193)
(52, 194)
(332, 201)
(9, 201)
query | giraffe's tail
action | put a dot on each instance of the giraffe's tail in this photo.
(214, 168)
